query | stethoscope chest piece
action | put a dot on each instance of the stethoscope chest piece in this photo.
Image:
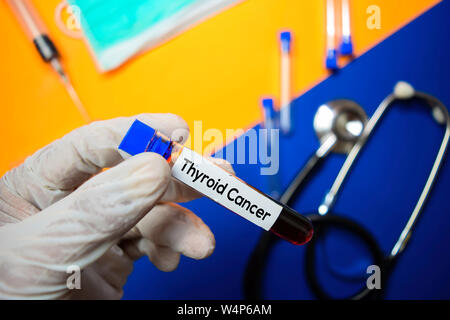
(342, 120)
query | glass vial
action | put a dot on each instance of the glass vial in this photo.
(226, 189)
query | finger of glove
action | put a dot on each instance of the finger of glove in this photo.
(163, 258)
(57, 169)
(13, 208)
(179, 192)
(170, 225)
(80, 228)
(114, 267)
(94, 287)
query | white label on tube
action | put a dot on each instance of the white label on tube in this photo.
(225, 189)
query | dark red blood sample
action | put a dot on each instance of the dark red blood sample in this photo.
(293, 227)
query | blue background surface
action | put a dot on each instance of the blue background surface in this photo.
(380, 193)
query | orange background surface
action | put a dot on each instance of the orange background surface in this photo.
(215, 72)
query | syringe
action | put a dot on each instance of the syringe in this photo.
(37, 33)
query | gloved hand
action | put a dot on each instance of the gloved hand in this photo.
(59, 210)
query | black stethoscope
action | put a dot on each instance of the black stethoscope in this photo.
(347, 129)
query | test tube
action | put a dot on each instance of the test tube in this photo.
(346, 41)
(205, 177)
(331, 59)
(268, 114)
(271, 143)
(285, 85)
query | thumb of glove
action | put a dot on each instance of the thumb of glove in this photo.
(77, 230)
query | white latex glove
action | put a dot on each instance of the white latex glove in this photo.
(54, 213)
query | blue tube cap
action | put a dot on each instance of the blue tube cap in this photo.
(285, 38)
(142, 138)
(346, 46)
(268, 107)
(137, 138)
(331, 62)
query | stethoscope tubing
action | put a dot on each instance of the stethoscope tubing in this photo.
(331, 196)
(253, 278)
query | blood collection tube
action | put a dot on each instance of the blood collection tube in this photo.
(346, 41)
(271, 143)
(205, 177)
(285, 84)
(331, 55)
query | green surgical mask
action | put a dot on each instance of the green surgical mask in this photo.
(116, 30)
